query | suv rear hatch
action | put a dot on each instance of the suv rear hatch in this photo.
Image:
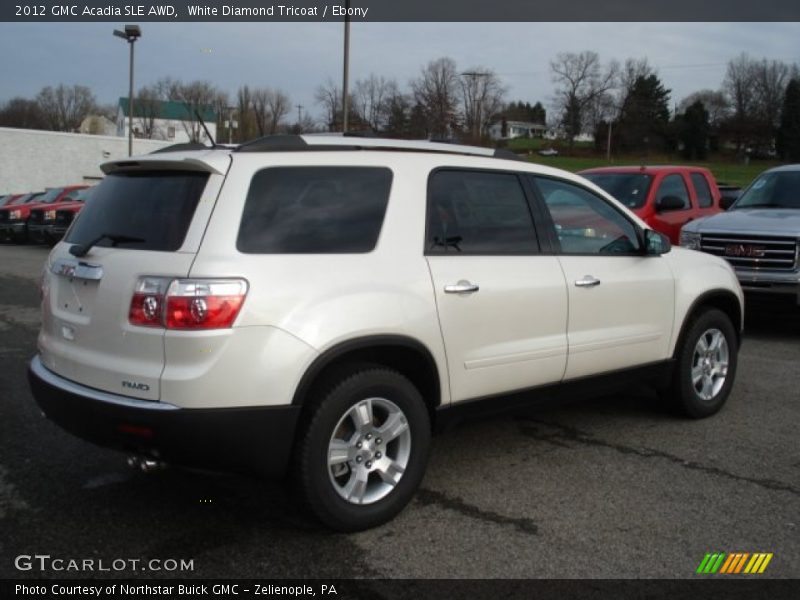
(143, 223)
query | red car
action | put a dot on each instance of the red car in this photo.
(665, 197)
(58, 219)
(27, 222)
(11, 227)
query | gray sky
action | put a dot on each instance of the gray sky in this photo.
(297, 57)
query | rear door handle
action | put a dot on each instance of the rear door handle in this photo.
(462, 287)
(587, 281)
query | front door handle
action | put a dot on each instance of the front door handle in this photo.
(462, 287)
(587, 281)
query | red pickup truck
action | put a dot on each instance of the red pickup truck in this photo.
(665, 197)
(22, 222)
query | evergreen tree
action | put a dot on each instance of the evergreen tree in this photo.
(645, 115)
(694, 131)
(789, 131)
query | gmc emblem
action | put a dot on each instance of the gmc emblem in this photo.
(745, 251)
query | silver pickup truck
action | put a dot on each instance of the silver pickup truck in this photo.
(759, 235)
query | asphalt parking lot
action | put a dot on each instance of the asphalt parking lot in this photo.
(613, 488)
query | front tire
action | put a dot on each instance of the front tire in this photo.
(363, 452)
(705, 366)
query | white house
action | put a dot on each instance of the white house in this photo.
(165, 120)
(98, 125)
(516, 129)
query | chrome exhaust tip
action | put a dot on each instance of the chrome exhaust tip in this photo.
(145, 465)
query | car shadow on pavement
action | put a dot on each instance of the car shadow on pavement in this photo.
(777, 317)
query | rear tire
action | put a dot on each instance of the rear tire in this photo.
(363, 453)
(705, 365)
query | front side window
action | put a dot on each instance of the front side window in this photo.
(585, 223)
(314, 210)
(673, 186)
(478, 212)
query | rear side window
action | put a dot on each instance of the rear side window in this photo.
(704, 198)
(153, 208)
(478, 212)
(314, 210)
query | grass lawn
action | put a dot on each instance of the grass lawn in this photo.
(724, 171)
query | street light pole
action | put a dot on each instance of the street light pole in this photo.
(131, 34)
(346, 73)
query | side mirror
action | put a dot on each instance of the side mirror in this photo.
(666, 203)
(656, 243)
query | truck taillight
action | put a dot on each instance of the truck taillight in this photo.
(187, 303)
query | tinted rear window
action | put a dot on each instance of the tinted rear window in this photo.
(314, 210)
(153, 206)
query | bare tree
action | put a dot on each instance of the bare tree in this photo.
(196, 97)
(22, 113)
(582, 82)
(258, 104)
(371, 100)
(279, 105)
(714, 101)
(221, 105)
(329, 96)
(482, 97)
(770, 78)
(147, 111)
(739, 86)
(64, 107)
(436, 90)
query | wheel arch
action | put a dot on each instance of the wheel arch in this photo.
(721, 299)
(408, 356)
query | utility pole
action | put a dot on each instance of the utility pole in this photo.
(299, 115)
(130, 34)
(346, 74)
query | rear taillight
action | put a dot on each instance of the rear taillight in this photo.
(204, 304)
(187, 303)
(148, 302)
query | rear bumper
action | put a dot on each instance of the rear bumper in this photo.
(242, 439)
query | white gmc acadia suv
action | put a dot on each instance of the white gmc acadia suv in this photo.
(318, 305)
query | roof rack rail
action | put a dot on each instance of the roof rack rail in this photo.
(185, 146)
(337, 141)
(507, 154)
(289, 143)
(360, 134)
